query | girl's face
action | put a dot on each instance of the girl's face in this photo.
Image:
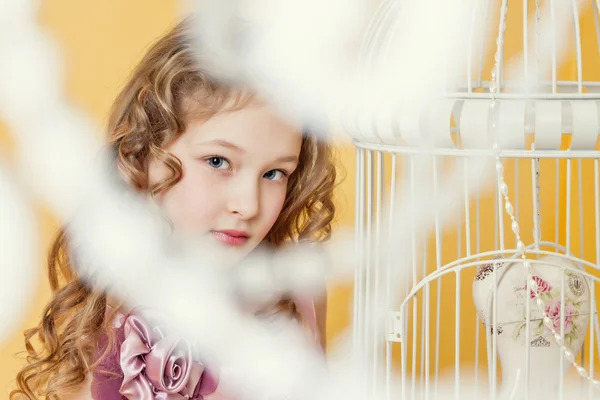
(235, 171)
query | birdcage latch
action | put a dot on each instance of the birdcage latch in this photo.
(395, 327)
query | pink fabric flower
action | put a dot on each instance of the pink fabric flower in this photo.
(552, 310)
(156, 366)
(542, 286)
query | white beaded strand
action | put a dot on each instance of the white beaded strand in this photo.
(521, 249)
(537, 230)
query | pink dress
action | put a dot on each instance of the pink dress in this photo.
(148, 363)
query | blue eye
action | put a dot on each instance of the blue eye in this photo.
(218, 162)
(275, 175)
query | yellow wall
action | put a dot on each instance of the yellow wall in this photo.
(102, 40)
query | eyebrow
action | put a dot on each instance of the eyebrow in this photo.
(225, 143)
(287, 159)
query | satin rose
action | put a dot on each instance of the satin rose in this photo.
(159, 366)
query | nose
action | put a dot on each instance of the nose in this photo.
(244, 197)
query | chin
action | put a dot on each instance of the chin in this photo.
(235, 254)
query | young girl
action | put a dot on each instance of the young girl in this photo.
(217, 162)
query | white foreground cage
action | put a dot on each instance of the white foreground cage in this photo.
(544, 208)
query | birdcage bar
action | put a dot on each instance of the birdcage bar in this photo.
(568, 208)
(581, 235)
(543, 115)
(388, 298)
(499, 216)
(595, 10)
(403, 361)
(536, 205)
(369, 270)
(413, 258)
(553, 62)
(562, 336)
(578, 52)
(597, 210)
(360, 295)
(580, 198)
(457, 337)
(591, 366)
(494, 336)
(477, 320)
(380, 187)
(526, 42)
(467, 210)
(528, 334)
(516, 161)
(438, 265)
(357, 298)
(427, 301)
(556, 203)
(424, 342)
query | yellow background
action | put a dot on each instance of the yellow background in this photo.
(103, 40)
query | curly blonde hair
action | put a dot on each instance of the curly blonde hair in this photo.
(167, 88)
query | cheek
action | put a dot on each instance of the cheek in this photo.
(272, 205)
(191, 205)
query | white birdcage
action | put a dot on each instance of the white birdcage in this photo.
(535, 230)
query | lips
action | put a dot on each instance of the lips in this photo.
(231, 237)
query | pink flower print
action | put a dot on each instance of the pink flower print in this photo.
(552, 311)
(542, 286)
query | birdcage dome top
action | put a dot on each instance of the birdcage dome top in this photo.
(538, 62)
